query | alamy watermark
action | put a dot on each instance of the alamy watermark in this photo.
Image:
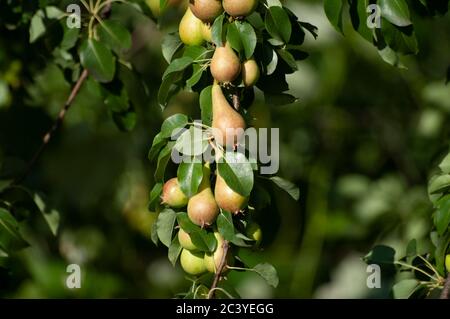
(374, 18)
(73, 280)
(374, 279)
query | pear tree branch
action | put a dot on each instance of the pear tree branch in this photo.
(219, 270)
(445, 294)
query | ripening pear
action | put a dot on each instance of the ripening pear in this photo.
(172, 195)
(253, 231)
(250, 72)
(227, 124)
(239, 8)
(228, 199)
(191, 29)
(213, 260)
(206, 32)
(185, 240)
(202, 207)
(447, 263)
(192, 262)
(206, 10)
(225, 64)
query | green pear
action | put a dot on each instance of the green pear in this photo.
(228, 199)
(185, 240)
(190, 29)
(250, 72)
(202, 208)
(253, 231)
(192, 262)
(172, 195)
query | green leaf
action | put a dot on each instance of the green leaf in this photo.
(192, 142)
(248, 38)
(287, 186)
(186, 224)
(226, 228)
(164, 226)
(174, 251)
(117, 103)
(442, 215)
(391, 57)
(163, 159)
(411, 248)
(288, 58)
(10, 237)
(234, 37)
(155, 195)
(172, 124)
(205, 241)
(178, 65)
(333, 10)
(395, 11)
(217, 31)
(197, 72)
(278, 24)
(98, 60)
(158, 143)
(439, 184)
(37, 26)
(445, 164)
(114, 35)
(268, 273)
(206, 105)
(237, 172)
(190, 176)
(50, 215)
(405, 288)
(125, 121)
(171, 43)
(358, 16)
(401, 40)
(154, 233)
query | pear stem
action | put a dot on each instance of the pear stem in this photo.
(218, 274)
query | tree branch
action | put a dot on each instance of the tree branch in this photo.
(236, 100)
(48, 136)
(218, 274)
(445, 294)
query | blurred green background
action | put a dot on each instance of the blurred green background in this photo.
(360, 143)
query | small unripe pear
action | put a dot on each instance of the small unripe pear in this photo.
(250, 72)
(239, 8)
(447, 262)
(192, 262)
(191, 29)
(228, 199)
(172, 195)
(253, 231)
(213, 260)
(206, 32)
(206, 10)
(225, 64)
(185, 240)
(202, 207)
(227, 124)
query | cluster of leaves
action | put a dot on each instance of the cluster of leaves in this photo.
(393, 31)
(272, 34)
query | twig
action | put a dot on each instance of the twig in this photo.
(48, 136)
(219, 270)
(445, 294)
(236, 100)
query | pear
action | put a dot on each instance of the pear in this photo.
(228, 199)
(213, 260)
(239, 8)
(447, 262)
(253, 231)
(191, 29)
(192, 262)
(250, 72)
(225, 64)
(155, 7)
(206, 32)
(206, 10)
(227, 124)
(202, 208)
(186, 241)
(172, 195)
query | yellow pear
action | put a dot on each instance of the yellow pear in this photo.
(227, 124)
(191, 29)
(250, 72)
(192, 262)
(225, 64)
(185, 240)
(206, 32)
(202, 208)
(228, 199)
(172, 195)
